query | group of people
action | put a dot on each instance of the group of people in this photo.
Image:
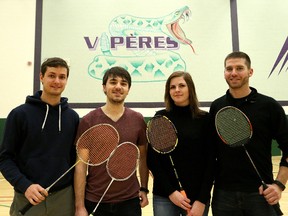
(39, 146)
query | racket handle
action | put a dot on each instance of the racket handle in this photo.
(25, 209)
(184, 194)
(276, 207)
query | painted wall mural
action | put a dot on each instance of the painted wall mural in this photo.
(151, 39)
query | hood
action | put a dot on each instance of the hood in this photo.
(36, 101)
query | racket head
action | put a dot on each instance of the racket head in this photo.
(95, 145)
(123, 161)
(161, 134)
(233, 126)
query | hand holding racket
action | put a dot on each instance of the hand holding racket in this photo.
(234, 129)
(121, 165)
(93, 148)
(162, 135)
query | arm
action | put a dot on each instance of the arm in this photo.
(274, 192)
(144, 174)
(12, 144)
(79, 189)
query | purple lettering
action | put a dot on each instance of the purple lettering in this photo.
(145, 41)
(89, 44)
(171, 44)
(116, 41)
(158, 41)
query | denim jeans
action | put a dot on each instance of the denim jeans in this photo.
(227, 203)
(126, 208)
(162, 206)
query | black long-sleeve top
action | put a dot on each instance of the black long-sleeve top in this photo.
(193, 158)
(234, 170)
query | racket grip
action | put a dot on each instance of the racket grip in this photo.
(184, 194)
(25, 209)
(276, 207)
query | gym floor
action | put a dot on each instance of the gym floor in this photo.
(6, 195)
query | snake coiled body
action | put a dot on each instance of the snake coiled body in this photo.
(144, 65)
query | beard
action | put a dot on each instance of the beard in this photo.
(239, 83)
(116, 100)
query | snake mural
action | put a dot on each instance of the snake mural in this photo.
(144, 65)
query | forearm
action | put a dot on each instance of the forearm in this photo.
(143, 169)
(282, 175)
(79, 184)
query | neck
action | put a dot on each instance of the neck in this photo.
(50, 99)
(113, 111)
(240, 93)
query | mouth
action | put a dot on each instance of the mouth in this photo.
(176, 30)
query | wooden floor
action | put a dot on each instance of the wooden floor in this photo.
(6, 195)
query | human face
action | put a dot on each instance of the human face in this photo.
(237, 74)
(116, 89)
(54, 81)
(179, 91)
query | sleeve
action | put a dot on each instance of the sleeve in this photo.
(280, 131)
(10, 151)
(208, 177)
(142, 139)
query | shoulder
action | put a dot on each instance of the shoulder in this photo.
(133, 113)
(161, 112)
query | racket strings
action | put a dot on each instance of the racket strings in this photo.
(95, 145)
(233, 127)
(123, 161)
(162, 134)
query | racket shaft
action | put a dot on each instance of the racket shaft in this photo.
(276, 207)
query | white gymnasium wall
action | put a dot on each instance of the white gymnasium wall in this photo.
(17, 38)
(17, 24)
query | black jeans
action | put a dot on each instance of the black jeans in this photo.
(126, 208)
(228, 203)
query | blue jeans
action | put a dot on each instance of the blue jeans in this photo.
(126, 208)
(162, 206)
(227, 203)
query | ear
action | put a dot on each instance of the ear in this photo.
(104, 89)
(41, 77)
(251, 72)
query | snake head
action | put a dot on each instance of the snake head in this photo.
(172, 23)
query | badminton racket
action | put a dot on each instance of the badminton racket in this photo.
(162, 135)
(234, 129)
(121, 165)
(93, 148)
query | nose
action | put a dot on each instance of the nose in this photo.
(234, 72)
(118, 85)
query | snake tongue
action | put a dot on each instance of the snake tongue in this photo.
(177, 31)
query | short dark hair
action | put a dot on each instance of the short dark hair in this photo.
(117, 72)
(238, 54)
(54, 62)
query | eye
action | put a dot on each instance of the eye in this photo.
(172, 87)
(228, 69)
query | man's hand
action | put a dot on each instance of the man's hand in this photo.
(272, 194)
(36, 194)
(143, 199)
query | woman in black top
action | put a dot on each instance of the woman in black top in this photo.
(193, 156)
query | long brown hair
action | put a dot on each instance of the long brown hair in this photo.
(193, 100)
